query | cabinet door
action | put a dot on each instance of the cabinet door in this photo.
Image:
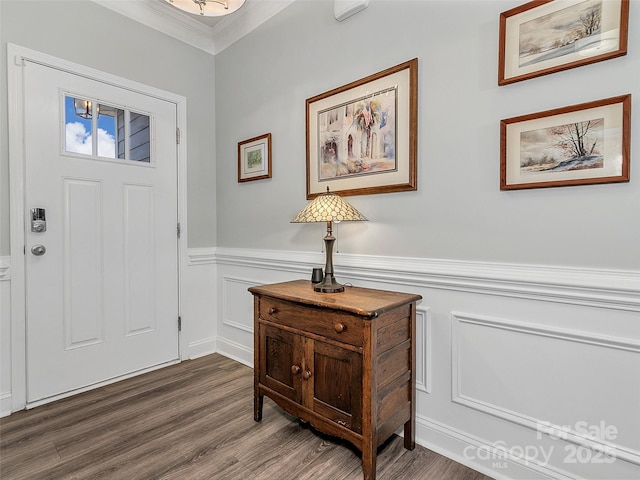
(281, 351)
(337, 385)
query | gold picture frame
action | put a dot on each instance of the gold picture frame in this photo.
(577, 145)
(547, 36)
(254, 158)
(361, 138)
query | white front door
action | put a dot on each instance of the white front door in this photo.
(102, 271)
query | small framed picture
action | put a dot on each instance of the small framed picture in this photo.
(577, 145)
(546, 36)
(254, 158)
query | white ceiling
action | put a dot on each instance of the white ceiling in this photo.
(211, 34)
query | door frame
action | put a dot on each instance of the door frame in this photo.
(16, 56)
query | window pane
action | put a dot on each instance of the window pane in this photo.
(109, 118)
(139, 138)
(106, 131)
(78, 113)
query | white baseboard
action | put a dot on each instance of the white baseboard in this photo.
(5, 404)
(464, 448)
(235, 351)
(201, 348)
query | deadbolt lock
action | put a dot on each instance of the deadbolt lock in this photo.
(38, 220)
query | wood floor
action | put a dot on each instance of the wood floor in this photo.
(190, 421)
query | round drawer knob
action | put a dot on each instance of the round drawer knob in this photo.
(339, 327)
(306, 374)
(272, 310)
(295, 369)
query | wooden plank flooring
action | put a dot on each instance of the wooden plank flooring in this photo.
(190, 421)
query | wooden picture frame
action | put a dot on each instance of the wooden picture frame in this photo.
(547, 36)
(254, 158)
(577, 145)
(362, 137)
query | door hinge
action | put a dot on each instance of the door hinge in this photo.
(179, 230)
(179, 323)
(178, 136)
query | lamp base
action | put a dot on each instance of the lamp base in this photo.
(328, 285)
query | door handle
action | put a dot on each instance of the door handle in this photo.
(38, 250)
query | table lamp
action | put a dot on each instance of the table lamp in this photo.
(328, 207)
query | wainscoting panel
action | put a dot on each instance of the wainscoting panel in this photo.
(539, 365)
(423, 349)
(198, 307)
(235, 325)
(521, 371)
(238, 313)
(235, 302)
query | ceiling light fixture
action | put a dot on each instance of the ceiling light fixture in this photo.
(208, 8)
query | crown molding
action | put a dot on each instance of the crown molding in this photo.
(182, 26)
(173, 23)
(232, 28)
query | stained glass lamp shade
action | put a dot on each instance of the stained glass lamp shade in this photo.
(329, 208)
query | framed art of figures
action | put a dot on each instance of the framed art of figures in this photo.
(546, 36)
(254, 158)
(577, 145)
(362, 137)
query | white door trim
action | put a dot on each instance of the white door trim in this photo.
(16, 55)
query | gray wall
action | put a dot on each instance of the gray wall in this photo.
(458, 212)
(86, 33)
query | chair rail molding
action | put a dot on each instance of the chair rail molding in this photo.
(612, 289)
(201, 256)
(5, 268)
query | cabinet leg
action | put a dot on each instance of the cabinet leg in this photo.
(409, 436)
(369, 463)
(258, 401)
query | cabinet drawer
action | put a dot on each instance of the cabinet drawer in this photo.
(339, 326)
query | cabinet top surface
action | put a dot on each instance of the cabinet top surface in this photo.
(366, 302)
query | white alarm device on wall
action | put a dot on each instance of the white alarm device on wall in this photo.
(345, 8)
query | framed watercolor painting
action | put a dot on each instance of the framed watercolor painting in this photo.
(546, 36)
(362, 137)
(254, 158)
(577, 145)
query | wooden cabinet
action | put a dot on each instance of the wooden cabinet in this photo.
(343, 362)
